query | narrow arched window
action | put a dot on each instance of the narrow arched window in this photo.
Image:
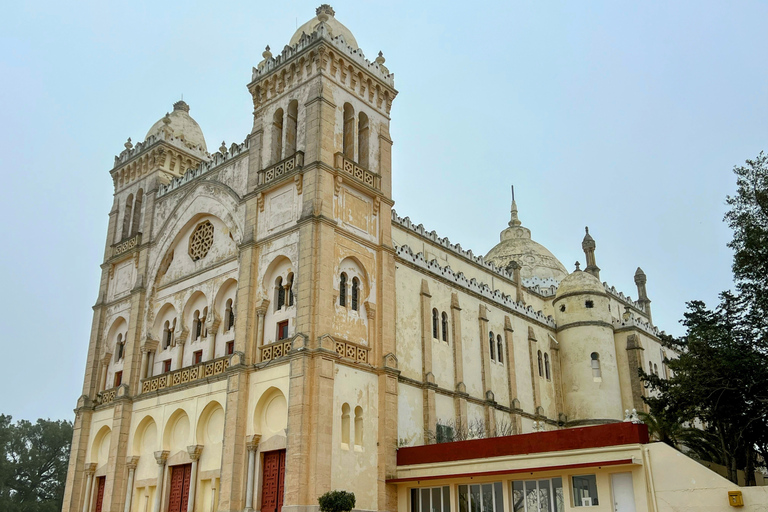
(345, 424)
(290, 289)
(656, 369)
(435, 326)
(355, 292)
(499, 349)
(343, 290)
(362, 139)
(445, 326)
(492, 343)
(541, 364)
(596, 372)
(127, 216)
(359, 426)
(546, 366)
(119, 348)
(136, 222)
(166, 334)
(229, 316)
(277, 135)
(203, 319)
(196, 326)
(291, 128)
(650, 367)
(279, 294)
(349, 131)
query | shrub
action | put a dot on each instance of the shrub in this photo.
(337, 501)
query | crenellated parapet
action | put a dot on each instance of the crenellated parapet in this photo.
(544, 287)
(406, 254)
(320, 52)
(636, 323)
(624, 299)
(216, 160)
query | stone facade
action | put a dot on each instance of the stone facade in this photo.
(266, 297)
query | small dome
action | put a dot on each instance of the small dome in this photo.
(534, 259)
(325, 13)
(580, 282)
(182, 126)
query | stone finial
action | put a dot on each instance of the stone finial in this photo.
(589, 245)
(167, 119)
(514, 220)
(588, 242)
(324, 12)
(380, 60)
(128, 144)
(223, 147)
(640, 277)
(181, 105)
(267, 54)
(577, 267)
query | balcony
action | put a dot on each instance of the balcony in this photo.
(350, 168)
(107, 396)
(126, 245)
(282, 168)
(186, 375)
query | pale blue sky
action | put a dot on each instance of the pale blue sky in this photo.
(627, 117)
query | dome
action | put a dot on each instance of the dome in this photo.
(534, 259)
(580, 282)
(182, 126)
(327, 13)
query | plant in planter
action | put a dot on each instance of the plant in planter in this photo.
(337, 501)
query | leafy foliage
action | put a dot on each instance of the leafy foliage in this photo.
(33, 465)
(337, 501)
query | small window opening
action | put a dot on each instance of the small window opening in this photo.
(359, 426)
(197, 357)
(349, 132)
(499, 349)
(229, 316)
(434, 324)
(546, 366)
(282, 330)
(541, 364)
(167, 334)
(445, 326)
(166, 366)
(196, 326)
(362, 140)
(562, 308)
(343, 290)
(277, 136)
(230, 348)
(596, 372)
(589, 304)
(290, 289)
(355, 293)
(492, 343)
(345, 424)
(119, 348)
(280, 292)
(118, 378)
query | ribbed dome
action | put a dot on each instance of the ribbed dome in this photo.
(516, 245)
(580, 282)
(182, 126)
(325, 13)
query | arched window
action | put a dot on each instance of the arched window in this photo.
(355, 292)
(435, 326)
(343, 290)
(136, 222)
(277, 135)
(279, 294)
(349, 131)
(291, 128)
(166, 335)
(499, 349)
(345, 424)
(596, 372)
(229, 316)
(445, 326)
(656, 369)
(359, 426)
(127, 216)
(290, 289)
(203, 319)
(541, 365)
(362, 140)
(546, 365)
(196, 326)
(119, 348)
(492, 345)
(650, 367)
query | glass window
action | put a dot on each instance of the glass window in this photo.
(431, 499)
(544, 495)
(584, 491)
(481, 498)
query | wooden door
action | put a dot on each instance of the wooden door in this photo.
(273, 486)
(179, 497)
(100, 481)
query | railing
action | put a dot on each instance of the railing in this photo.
(185, 375)
(126, 245)
(274, 350)
(106, 396)
(353, 351)
(282, 168)
(350, 168)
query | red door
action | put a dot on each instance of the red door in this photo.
(100, 492)
(273, 482)
(179, 498)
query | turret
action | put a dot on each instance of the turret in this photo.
(588, 245)
(642, 295)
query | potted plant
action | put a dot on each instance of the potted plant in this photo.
(337, 501)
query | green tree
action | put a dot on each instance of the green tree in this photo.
(33, 466)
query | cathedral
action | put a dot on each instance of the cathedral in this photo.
(268, 329)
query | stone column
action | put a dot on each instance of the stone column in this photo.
(252, 446)
(104, 368)
(460, 399)
(151, 364)
(160, 457)
(256, 482)
(194, 454)
(144, 363)
(261, 312)
(430, 419)
(533, 349)
(370, 311)
(90, 469)
(485, 357)
(181, 354)
(509, 346)
(131, 463)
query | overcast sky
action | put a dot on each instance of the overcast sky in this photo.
(627, 117)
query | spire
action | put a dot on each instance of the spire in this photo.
(589, 245)
(514, 221)
(642, 295)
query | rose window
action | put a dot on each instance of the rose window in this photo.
(201, 240)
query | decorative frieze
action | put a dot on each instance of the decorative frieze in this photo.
(126, 245)
(282, 168)
(351, 169)
(184, 375)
